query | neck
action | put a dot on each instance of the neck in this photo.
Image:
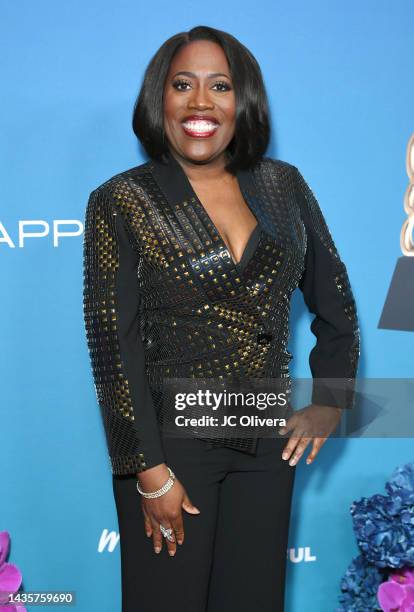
(204, 171)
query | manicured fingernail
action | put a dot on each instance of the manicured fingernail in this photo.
(171, 553)
(285, 455)
(148, 534)
(292, 461)
(157, 549)
(180, 541)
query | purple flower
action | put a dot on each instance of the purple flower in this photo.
(10, 576)
(405, 575)
(398, 592)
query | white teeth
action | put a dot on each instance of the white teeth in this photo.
(200, 126)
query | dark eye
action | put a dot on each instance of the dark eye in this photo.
(226, 86)
(177, 84)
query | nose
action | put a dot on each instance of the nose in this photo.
(200, 98)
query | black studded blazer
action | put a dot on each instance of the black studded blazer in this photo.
(163, 297)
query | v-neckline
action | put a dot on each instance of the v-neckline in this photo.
(223, 243)
(249, 249)
(177, 186)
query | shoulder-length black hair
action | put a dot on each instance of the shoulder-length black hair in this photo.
(252, 130)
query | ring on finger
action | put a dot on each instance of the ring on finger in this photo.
(167, 533)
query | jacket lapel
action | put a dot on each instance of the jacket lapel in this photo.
(177, 189)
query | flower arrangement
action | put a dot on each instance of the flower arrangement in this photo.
(382, 576)
(10, 576)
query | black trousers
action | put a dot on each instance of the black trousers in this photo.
(234, 553)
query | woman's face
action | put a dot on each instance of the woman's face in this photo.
(199, 103)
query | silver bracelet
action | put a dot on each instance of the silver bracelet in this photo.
(166, 487)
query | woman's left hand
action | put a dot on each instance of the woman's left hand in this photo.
(314, 422)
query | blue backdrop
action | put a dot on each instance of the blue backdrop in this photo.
(338, 80)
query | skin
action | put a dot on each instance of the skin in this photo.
(203, 161)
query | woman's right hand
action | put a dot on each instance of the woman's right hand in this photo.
(165, 510)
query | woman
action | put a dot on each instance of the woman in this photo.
(190, 260)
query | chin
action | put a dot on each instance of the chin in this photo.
(200, 154)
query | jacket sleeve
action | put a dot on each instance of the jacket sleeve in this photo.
(111, 316)
(327, 293)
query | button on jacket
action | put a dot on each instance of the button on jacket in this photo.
(163, 298)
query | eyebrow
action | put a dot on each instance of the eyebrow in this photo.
(211, 75)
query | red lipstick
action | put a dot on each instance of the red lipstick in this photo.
(200, 126)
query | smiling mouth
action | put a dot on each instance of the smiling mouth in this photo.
(199, 128)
